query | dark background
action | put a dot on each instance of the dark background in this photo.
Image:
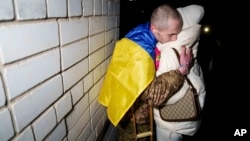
(225, 48)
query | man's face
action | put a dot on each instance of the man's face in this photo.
(165, 36)
(169, 34)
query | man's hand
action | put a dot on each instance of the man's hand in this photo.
(186, 59)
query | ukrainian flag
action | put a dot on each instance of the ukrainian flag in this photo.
(130, 71)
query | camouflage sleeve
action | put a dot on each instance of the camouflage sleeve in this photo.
(162, 88)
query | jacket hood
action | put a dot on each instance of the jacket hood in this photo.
(191, 14)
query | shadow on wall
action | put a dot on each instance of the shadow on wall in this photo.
(109, 133)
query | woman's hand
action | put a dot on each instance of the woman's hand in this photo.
(186, 59)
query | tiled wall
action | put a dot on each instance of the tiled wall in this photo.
(53, 56)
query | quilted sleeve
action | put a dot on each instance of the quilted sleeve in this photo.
(162, 88)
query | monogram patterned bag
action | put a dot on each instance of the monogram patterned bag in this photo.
(186, 109)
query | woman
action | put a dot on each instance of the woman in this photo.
(189, 37)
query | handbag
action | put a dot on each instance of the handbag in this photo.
(186, 109)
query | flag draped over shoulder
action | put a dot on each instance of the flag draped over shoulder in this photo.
(130, 71)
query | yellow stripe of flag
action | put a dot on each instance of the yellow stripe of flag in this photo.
(130, 71)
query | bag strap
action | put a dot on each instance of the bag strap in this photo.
(189, 82)
(196, 97)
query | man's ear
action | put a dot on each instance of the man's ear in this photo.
(153, 28)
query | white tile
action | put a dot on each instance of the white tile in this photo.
(2, 95)
(77, 92)
(94, 92)
(79, 109)
(75, 132)
(31, 72)
(23, 40)
(44, 124)
(75, 74)
(6, 126)
(88, 82)
(57, 8)
(58, 133)
(110, 24)
(35, 102)
(6, 10)
(75, 7)
(26, 135)
(95, 114)
(63, 106)
(30, 10)
(96, 58)
(73, 30)
(96, 25)
(88, 6)
(98, 7)
(96, 42)
(104, 7)
(97, 73)
(85, 133)
(74, 53)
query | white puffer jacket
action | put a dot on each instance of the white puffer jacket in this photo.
(189, 36)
